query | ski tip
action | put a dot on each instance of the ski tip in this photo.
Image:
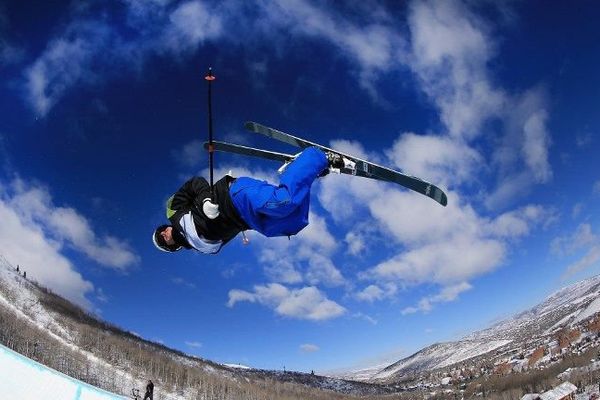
(441, 198)
(249, 125)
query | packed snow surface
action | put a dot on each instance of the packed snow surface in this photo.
(23, 378)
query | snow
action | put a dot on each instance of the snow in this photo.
(443, 355)
(362, 374)
(23, 378)
(591, 309)
(560, 392)
(237, 366)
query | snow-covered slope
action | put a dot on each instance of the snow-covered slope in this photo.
(60, 327)
(566, 307)
(22, 378)
(440, 355)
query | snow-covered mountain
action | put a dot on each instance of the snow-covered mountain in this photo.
(49, 329)
(565, 308)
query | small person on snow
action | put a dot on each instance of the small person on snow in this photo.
(206, 225)
(149, 391)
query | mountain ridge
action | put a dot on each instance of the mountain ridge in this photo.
(563, 308)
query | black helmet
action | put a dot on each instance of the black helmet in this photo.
(160, 243)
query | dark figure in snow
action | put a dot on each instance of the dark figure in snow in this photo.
(149, 391)
(239, 204)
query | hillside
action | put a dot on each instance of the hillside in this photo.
(561, 325)
(49, 329)
(556, 338)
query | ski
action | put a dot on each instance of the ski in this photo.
(362, 167)
(275, 156)
(250, 151)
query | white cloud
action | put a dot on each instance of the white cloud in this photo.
(450, 51)
(308, 256)
(26, 244)
(65, 226)
(447, 294)
(536, 144)
(190, 154)
(65, 61)
(309, 348)
(588, 260)
(375, 292)
(518, 223)
(370, 44)
(583, 239)
(370, 293)
(305, 303)
(191, 23)
(365, 317)
(183, 282)
(444, 246)
(439, 159)
(456, 259)
(193, 344)
(154, 27)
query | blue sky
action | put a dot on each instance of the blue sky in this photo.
(102, 116)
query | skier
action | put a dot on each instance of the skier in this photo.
(149, 391)
(200, 223)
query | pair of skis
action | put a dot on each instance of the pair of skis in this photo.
(356, 166)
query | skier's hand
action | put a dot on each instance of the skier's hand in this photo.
(210, 209)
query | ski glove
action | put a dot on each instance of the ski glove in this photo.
(210, 209)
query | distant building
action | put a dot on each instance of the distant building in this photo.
(565, 391)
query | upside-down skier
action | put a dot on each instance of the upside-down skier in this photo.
(199, 221)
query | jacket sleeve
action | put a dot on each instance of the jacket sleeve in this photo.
(189, 195)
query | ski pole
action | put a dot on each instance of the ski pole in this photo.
(211, 148)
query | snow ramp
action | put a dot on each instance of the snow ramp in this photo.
(22, 378)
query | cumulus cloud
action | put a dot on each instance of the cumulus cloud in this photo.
(375, 292)
(433, 245)
(308, 256)
(191, 23)
(34, 234)
(305, 303)
(153, 27)
(62, 226)
(65, 61)
(451, 49)
(372, 45)
(441, 159)
(447, 47)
